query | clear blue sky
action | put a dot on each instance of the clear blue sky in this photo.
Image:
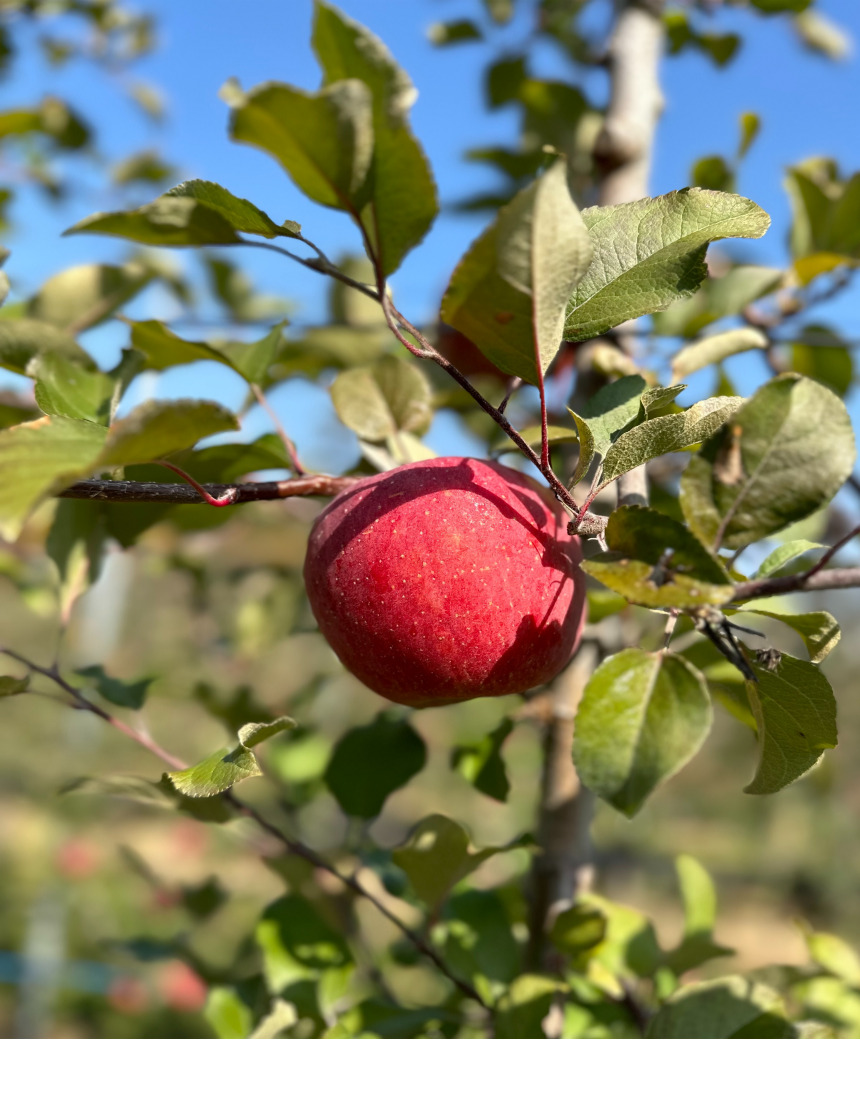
(808, 106)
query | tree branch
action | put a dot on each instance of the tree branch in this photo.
(160, 492)
(799, 582)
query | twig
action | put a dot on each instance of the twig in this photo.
(228, 497)
(295, 847)
(289, 446)
(322, 265)
(159, 492)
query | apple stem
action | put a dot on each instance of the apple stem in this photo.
(229, 496)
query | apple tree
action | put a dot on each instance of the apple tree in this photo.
(440, 580)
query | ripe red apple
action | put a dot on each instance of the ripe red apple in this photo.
(445, 580)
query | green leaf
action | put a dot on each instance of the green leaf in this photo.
(668, 433)
(10, 415)
(81, 297)
(650, 252)
(481, 763)
(297, 943)
(122, 693)
(718, 1009)
(825, 358)
(159, 428)
(795, 713)
(217, 773)
(173, 221)
(587, 449)
(819, 630)
(500, 11)
(714, 349)
(781, 457)
(323, 140)
(700, 912)
(525, 1005)
(21, 338)
(509, 292)
(750, 127)
(659, 397)
(713, 174)
(479, 942)
(378, 401)
(614, 409)
(371, 762)
(641, 718)
(13, 685)
(726, 296)
(40, 456)
(255, 359)
(578, 930)
(784, 554)
(242, 215)
(401, 204)
(457, 30)
(227, 1014)
(164, 348)
(436, 857)
(835, 956)
(69, 388)
(254, 733)
(657, 562)
(629, 948)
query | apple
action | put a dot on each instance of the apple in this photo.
(445, 580)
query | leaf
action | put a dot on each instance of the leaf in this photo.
(668, 433)
(481, 763)
(371, 762)
(218, 772)
(401, 205)
(784, 554)
(69, 388)
(254, 733)
(650, 252)
(454, 32)
(479, 942)
(825, 358)
(659, 397)
(255, 359)
(587, 449)
(378, 401)
(524, 1006)
(436, 857)
(227, 1014)
(781, 457)
(835, 956)
(81, 297)
(39, 456)
(578, 930)
(13, 685)
(159, 428)
(795, 713)
(657, 562)
(173, 221)
(725, 296)
(819, 630)
(323, 140)
(714, 349)
(641, 718)
(718, 1009)
(509, 292)
(613, 409)
(21, 338)
(164, 348)
(119, 692)
(296, 943)
(242, 215)
(700, 911)
(821, 35)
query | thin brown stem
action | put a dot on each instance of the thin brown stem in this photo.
(159, 492)
(228, 497)
(289, 446)
(322, 265)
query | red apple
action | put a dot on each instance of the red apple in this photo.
(446, 580)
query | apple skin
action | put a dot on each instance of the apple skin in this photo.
(446, 580)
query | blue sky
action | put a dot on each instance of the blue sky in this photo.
(808, 106)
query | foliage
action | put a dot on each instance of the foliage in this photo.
(730, 473)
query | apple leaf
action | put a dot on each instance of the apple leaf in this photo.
(156, 429)
(297, 944)
(481, 763)
(217, 773)
(13, 685)
(783, 455)
(641, 718)
(253, 360)
(68, 388)
(700, 912)
(81, 297)
(714, 349)
(378, 401)
(169, 222)
(724, 1008)
(820, 353)
(651, 252)
(795, 712)
(509, 292)
(255, 733)
(164, 348)
(242, 215)
(371, 762)
(789, 551)
(436, 857)
(324, 140)
(665, 434)
(22, 338)
(819, 630)
(121, 693)
(400, 203)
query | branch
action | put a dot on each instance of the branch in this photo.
(799, 582)
(294, 847)
(160, 492)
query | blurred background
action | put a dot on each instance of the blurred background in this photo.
(212, 615)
